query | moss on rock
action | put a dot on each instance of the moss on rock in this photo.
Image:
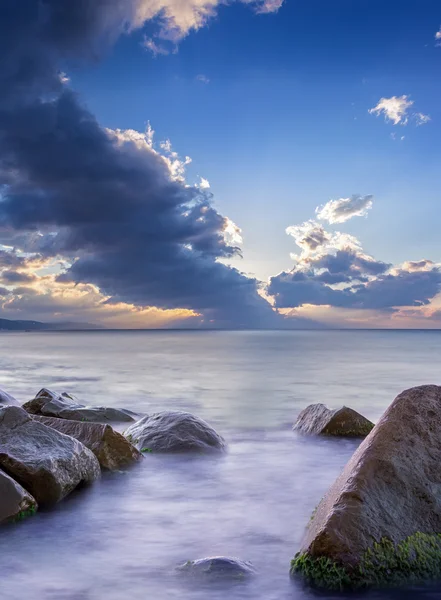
(24, 514)
(417, 559)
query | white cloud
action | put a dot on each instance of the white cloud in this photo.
(339, 211)
(421, 119)
(155, 48)
(395, 109)
(232, 233)
(438, 37)
(204, 184)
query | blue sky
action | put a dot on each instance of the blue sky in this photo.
(283, 124)
(273, 109)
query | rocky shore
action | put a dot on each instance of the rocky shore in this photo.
(379, 525)
(54, 444)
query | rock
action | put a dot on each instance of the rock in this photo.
(317, 419)
(218, 567)
(7, 400)
(15, 502)
(380, 522)
(48, 464)
(173, 432)
(65, 406)
(111, 448)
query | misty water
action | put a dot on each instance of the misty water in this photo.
(123, 537)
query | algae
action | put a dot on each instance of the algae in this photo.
(417, 559)
(24, 514)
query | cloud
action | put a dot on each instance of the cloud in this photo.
(177, 18)
(421, 119)
(110, 206)
(396, 109)
(339, 211)
(203, 79)
(332, 270)
(438, 37)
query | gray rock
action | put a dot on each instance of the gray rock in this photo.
(218, 567)
(380, 523)
(15, 502)
(173, 432)
(48, 464)
(111, 448)
(318, 419)
(7, 400)
(65, 406)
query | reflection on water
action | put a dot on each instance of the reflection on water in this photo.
(123, 537)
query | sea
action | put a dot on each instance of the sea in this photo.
(123, 537)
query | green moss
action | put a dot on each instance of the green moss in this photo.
(146, 450)
(415, 560)
(24, 514)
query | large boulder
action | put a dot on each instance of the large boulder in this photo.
(48, 464)
(318, 419)
(7, 400)
(15, 502)
(218, 567)
(380, 523)
(173, 431)
(111, 448)
(65, 406)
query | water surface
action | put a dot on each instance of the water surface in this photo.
(123, 537)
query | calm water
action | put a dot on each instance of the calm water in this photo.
(123, 537)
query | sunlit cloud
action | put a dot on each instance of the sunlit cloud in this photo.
(177, 18)
(339, 211)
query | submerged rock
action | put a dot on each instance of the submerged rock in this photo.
(48, 464)
(218, 567)
(15, 502)
(380, 523)
(112, 449)
(7, 400)
(318, 419)
(173, 432)
(65, 406)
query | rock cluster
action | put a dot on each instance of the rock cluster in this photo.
(53, 444)
(380, 523)
(48, 464)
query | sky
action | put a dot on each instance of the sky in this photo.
(203, 163)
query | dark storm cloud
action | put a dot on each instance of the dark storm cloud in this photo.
(71, 189)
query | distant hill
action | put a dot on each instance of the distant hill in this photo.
(8, 325)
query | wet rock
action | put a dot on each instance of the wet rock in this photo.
(112, 449)
(15, 502)
(380, 523)
(48, 464)
(173, 432)
(7, 400)
(218, 567)
(65, 406)
(318, 419)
